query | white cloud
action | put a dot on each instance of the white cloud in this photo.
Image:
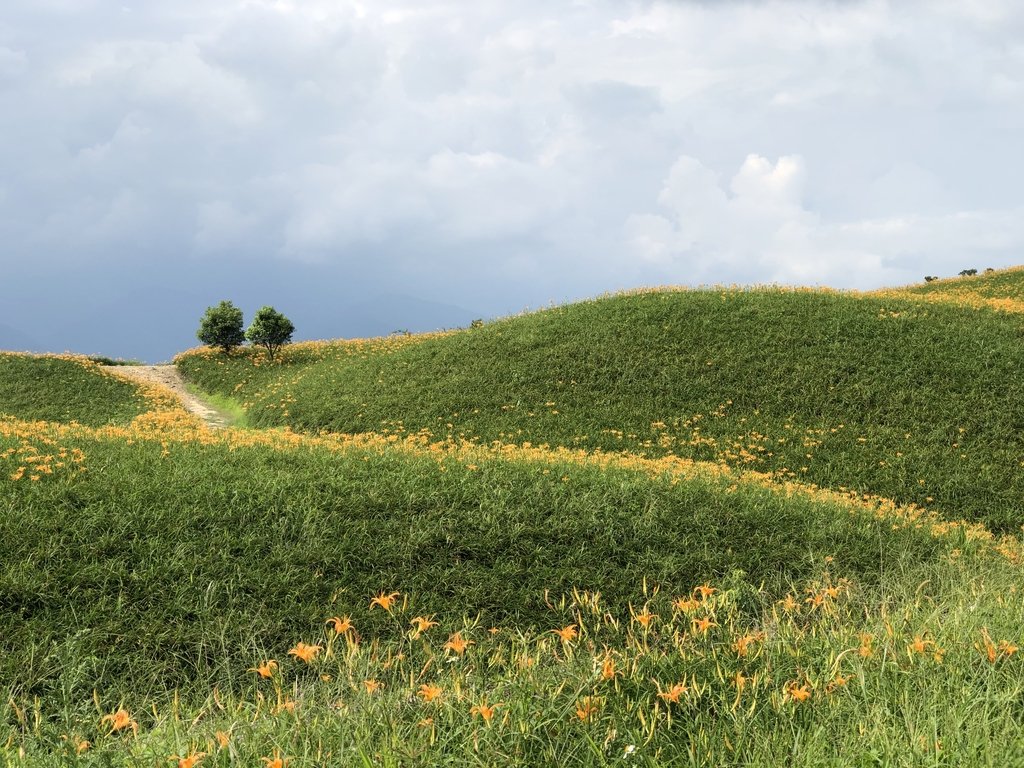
(759, 223)
(761, 228)
(157, 76)
(13, 64)
(567, 148)
(489, 196)
(130, 133)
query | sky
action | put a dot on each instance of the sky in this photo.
(383, 165)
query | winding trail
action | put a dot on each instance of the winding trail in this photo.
(168, 376)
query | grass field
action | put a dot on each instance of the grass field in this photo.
(1000, 288)
(919, 402)
(494, 589)
(65, 389)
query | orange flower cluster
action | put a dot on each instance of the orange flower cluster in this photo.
(37, 454)
(176, 427)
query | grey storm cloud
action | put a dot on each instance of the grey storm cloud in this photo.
(374, 166)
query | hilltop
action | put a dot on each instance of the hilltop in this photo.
(1001, 289)
(915, 398)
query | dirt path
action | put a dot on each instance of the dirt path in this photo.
(168, 376)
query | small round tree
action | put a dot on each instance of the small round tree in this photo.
(221, 326)
(270, 329)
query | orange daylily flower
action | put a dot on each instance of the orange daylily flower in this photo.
(685, 604)
(742, 644)
(429, 692)
(740, 681)
(341, 624)
(789, 604)
(866, 649)
(288, 705)
(458, 644)
(276, 761)
(816, 599)
(191, 761)
(372, 686)
(703, 625)
(82, 746)
(305, 652)
(566, 634)
(673, 694)
(422, 623)
(919, 645)
(992, 651)
(385, 600)
(119, 721)
(839, 681)
(704, 591)
(223, 738)
(587, 707)
(266, 669)
(989, 650)
(797, 691)
(484, 710)
(645, 618)
(608, 670)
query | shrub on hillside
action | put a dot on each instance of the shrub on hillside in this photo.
(270, 330)
(221, 326)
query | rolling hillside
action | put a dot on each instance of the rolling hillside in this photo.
(643, 529)
(65, 388)
(249, 539)
(917, 400)
(995, 286)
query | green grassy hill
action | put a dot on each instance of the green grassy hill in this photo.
(618, 513)
(160, 566)
(65, 388)
(919, 401)
(998, 284)
(156, 545)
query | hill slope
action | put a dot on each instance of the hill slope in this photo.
(919, 401)
(999, 290)
(251, 538)
(65, 388)
(998, 284)
(154, 576)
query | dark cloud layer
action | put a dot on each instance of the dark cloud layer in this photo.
(368, 167)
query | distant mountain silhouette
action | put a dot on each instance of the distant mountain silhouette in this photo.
(151, 321)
